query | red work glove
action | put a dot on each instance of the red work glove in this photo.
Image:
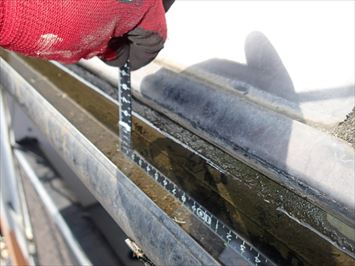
(68, 30)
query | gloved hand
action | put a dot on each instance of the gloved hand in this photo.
(69, 30)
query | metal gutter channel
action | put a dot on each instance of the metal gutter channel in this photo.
(305, 160)
(298, 214)
(309, 162)
(287, 228)
(134, 211)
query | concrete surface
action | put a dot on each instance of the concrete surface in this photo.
(346, 129)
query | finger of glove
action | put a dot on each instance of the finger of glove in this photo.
(147, 39)
(167, 4)
(145, 46)
(120, 50)
(140, 46)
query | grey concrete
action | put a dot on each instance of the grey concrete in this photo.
(346, 129)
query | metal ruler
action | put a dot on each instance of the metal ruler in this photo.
(229, 237)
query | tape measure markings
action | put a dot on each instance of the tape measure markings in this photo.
(229, 237)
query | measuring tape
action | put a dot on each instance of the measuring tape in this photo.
(229, 237)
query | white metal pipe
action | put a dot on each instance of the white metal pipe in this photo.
(53, 210)
(7, 171)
